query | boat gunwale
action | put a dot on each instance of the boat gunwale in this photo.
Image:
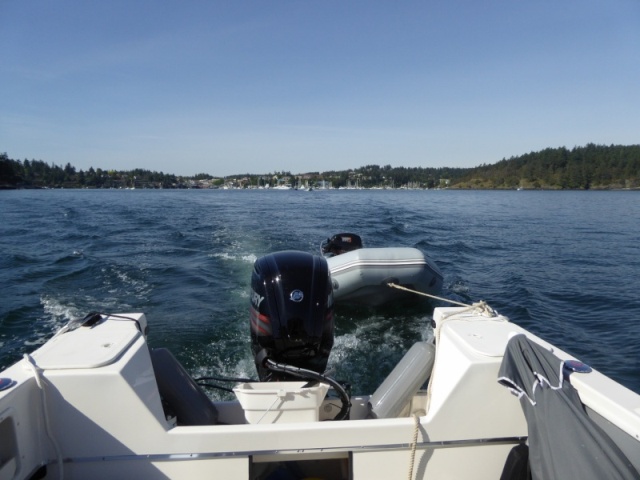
(421, 445)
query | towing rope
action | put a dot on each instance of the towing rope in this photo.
(482, 306)
(435, 297)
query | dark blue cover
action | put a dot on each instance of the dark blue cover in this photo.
(564, 443)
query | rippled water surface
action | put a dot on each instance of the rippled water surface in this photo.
(561, 264)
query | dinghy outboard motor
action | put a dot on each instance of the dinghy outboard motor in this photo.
(291, 315)
(340, 243)
(292, 320)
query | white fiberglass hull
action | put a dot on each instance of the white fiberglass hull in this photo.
(87, 405)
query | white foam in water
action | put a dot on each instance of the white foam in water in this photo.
(57, 310)
(343, 345)
(140, 287)
(249, 258)
(223, 255)
(426, 334)
(58, 315)
(459, 287)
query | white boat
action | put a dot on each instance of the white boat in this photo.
(96, 402)
(362, 275)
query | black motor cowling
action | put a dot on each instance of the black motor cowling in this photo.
(340, 243)
(291, 312)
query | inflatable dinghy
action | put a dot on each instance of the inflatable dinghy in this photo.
(361, 275)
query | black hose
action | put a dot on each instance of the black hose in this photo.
(217, 387)
(304, 373)
(225, 379)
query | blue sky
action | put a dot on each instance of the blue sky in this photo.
(226, 87)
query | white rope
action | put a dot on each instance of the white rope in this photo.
(37, 373)
(400, 287)
(482, 306)
(414, 444)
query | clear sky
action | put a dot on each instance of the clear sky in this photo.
(225, 87)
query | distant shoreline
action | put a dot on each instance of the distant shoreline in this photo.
(592, 167)
(452, 188)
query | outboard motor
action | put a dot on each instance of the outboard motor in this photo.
(340, 243)
(291, 314)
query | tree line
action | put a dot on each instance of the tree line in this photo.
(581, 168)
(39, 174)
(589, 167)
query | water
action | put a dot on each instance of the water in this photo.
(562, 264)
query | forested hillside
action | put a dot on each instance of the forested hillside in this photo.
(588, 167)
(39, 174)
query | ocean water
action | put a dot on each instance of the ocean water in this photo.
(562, 264)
